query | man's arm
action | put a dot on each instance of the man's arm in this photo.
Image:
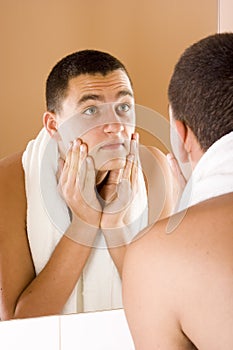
(16, 267)
(22, 294)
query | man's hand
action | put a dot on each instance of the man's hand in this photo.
(77, 186)
(176, 171)
(119, 188)
(126, 200)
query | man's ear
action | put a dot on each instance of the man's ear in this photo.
(181, 130)
(186, 135)
(183, 133)
(50, 123)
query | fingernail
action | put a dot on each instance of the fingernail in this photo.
(130, 157)
(82, 147)
(170, 157)
(89, 161)
(77, 142)
(133, 146)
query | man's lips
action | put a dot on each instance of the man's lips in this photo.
(112, 146)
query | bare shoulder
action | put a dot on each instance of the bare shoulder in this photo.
(17, 269)
(12, 159)
(183, 269)
(205, 227)
(209, 219)
(11, 166)
(12, 189)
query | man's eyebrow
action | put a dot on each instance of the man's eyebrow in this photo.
(87, 97)
(125, 93)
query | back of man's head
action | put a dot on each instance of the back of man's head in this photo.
(82, 62)
(201, 88)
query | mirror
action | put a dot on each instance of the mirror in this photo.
(149, 42)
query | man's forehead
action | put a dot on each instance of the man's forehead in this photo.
(116, 82)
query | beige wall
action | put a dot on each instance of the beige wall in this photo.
(148, 36)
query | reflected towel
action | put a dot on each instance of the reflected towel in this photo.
(99, 287)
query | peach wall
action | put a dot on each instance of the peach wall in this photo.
(148, 36)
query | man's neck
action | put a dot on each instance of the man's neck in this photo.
(100, 176)
(195, 155)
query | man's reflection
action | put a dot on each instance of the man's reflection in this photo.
(81, 214)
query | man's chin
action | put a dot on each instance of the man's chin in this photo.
(112, 164)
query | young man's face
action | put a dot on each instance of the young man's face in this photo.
(100, 110)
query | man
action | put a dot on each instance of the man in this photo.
(177, 278)
(52, 256)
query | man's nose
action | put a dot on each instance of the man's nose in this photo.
(113, 127)
(113, 122)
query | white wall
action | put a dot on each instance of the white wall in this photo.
(106, 330)
(225, 16)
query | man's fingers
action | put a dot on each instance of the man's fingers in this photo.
(88, 189)
(135, 152)
(74, 161)
(60, 167)
(90, 173)
(70, 171)
(81, 166)
(82, 155)
(114, 177)
(134, 176)
(175, 168)
(128, 167)
(65, 171)
(134, 144)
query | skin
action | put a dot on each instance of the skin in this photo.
(184, 278)
(184, 143)
(22, 293)
(85, 94)
(177, 287)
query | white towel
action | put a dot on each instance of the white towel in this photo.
(99, 287)
(213, 174)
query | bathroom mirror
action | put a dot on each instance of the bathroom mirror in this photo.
(147, 37)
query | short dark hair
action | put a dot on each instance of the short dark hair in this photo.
(81, 62)
(201, 88)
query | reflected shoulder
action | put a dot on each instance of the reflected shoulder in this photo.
(12, 189)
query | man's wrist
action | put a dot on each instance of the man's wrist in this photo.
(81, 231)
(117, 236)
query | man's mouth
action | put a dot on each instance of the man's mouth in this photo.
(112, 146)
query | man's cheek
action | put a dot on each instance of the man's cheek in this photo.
(76, 127)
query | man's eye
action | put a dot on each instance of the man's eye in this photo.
(90, 110)
(123, 108)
